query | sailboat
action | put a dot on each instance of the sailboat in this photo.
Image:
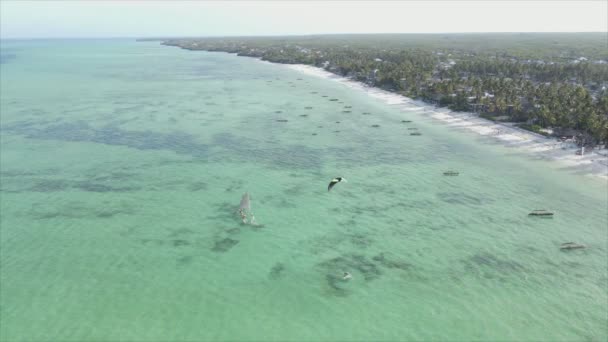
(245, 207)
(245, 211)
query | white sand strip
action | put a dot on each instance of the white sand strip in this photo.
(594, 163)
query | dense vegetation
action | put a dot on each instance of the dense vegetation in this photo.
(548, 80)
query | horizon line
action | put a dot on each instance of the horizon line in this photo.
(299, 35)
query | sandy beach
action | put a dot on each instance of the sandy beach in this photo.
(563, 154)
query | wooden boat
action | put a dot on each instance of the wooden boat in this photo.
(540, 212)
(571, 245)
(451, 173)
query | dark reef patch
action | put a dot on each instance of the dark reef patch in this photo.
(225, 211)
(80, 131)
(224, 245)
(337, 265)
(233, 230)
(276, 270)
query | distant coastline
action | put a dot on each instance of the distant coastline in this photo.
(536, 145)
(564, 153)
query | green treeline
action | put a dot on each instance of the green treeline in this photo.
(540, 80)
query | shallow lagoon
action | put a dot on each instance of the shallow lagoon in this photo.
(123, 163)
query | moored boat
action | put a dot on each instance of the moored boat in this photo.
(540, 212)
(571, 245)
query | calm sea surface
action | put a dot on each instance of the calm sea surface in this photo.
(122, 165)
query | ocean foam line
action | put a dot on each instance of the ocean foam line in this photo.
(594, 163)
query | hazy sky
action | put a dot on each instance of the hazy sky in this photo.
(27, 19)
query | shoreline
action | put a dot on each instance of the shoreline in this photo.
(594, 163)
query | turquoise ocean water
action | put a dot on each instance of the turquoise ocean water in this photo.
(123, 163)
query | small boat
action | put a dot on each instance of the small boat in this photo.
(406, 121)
(333, 99)
(540, 212)
(571, 245)
(451, 173)
(416, 133)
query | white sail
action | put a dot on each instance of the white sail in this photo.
(245, 202)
